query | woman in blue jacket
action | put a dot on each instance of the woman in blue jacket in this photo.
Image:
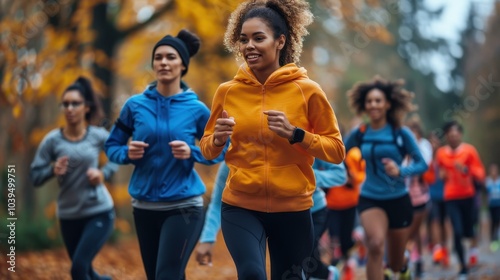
(164, 123)
(384, 205)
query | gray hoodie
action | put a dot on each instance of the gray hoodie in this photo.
(78, 198)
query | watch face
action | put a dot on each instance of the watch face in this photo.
(299, 135)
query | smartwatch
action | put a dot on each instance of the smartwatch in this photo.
(297, 136)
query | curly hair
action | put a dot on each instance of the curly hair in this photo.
(284, 17)
(399, 98)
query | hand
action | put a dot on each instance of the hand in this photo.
(279, 124)
(180, 149)
(461, 167)
(223, 129)
(61, 166)
(442, 174)
(348, 184)
(96, 177)
(136, 149)
(204, 253)
(391, 168)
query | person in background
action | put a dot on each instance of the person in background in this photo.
(384, 205)
(437, 215)
(163, 124)
(341, 202)
(278, 122)
(327, 176)
(459, 165)
(419, 195)
(71, 154)
(493, 189)
(212, 220)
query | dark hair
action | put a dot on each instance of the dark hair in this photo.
(84, 87)
(415, 124)
(451, 124)
(399, 98)
(185, 43)
(285, 17)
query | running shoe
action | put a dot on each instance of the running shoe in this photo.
(445, 262)
(462, 275)
(437, 254)
(349, 270)
(472, 260)
(361, 254)
(405, 274)
(334, 273)
(337, 255)
(388, 274)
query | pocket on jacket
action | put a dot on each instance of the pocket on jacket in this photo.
(287, 181)
(249, 181)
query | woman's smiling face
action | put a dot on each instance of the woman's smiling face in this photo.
(259, 47)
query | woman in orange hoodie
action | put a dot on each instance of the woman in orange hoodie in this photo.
(278, 121)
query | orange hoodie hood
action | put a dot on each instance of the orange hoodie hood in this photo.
(267, 173)
(285, 74)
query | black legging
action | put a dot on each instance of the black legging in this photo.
(461, 213)
(495, 222)
(289, 236)
(83, 239)
(341, 224)
(316, 267)
(167, 239)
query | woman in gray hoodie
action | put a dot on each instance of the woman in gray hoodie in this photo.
(71, 154)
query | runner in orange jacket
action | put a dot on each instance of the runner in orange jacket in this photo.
(459, 165)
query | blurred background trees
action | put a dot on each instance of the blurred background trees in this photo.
(46, 44)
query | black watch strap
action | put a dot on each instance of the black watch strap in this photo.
(297, 136)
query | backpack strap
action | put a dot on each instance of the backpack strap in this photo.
(361, 133)
(399, 141)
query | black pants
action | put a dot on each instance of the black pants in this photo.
(341, 225)
(167, 239)
(495, 222)
(83, 239)
(289, 236)
(316, 267)
(461, 213)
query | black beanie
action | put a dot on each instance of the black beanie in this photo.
(178, 45)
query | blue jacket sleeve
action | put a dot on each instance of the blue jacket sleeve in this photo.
(418, 164)
(329, 174)
(200, 129)
(116, 146)
(110, 167)
(489, 185)
(212, 220)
